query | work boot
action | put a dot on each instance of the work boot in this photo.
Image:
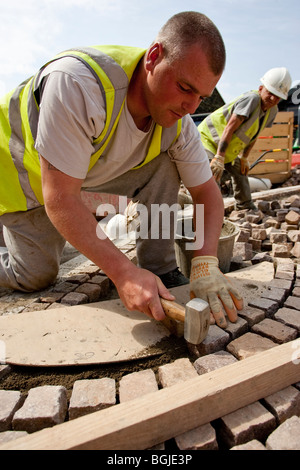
(173, 279)
(249, 206)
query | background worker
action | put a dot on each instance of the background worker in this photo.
(229, 133)
(115, 120)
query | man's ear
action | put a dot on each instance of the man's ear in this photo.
(154, 55)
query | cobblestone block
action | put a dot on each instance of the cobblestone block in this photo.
(278, 295)
(216, 339)
(281, 214)
(51, 297)
(280, 250)
(275, 330)
(286, 436)
(269, 307)
(201, 438)
(137, 384)
(243, 235)
(79, 278)
(44, 407)
(283, 404)
(259, 233)
(263, 206)
(288, 316)
(236, 329)
(75, 298)
(64, 287)
(292, 218)
(103, 282)
(7, 436)
(248, 345)
(91, 395)
(243, 249)
(213, 361)
(256, 244)
(175, 372)
(296, 292)
(10, 401)
(92, 291)
(251, 445)
(292, 302)
(284, 274)
(260, 257)
(293, 236)
(252, 315)
(285, 284)
(278, 237)
(272, 222)
(250, 422)
(295, 251)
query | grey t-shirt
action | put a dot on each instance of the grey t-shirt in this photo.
(72, 115)
(248, 102)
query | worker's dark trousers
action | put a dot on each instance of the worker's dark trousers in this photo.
(34, 247)
(240, 185)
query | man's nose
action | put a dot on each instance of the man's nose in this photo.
(190, 105)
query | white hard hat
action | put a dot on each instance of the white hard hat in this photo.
(277, 81)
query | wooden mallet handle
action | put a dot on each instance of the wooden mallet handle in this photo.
(173, 310)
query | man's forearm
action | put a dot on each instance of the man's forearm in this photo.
(79, 226)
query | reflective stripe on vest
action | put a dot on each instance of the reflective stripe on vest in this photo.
(211, 130)
(113, 67)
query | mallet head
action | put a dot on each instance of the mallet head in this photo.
(197, 321)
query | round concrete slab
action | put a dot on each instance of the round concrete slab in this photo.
(101, 332)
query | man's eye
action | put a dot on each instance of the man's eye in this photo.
(183, 88)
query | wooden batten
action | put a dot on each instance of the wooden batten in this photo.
(164, 414)
(279, 136)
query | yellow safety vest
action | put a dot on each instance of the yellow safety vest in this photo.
(113, 66)
(212, 127)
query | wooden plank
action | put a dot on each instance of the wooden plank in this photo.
(161, 415)
(269, 144)
(255, 154)
(267, 140)
(275, 178)
(277, 130)
(269, 167)
(284, 116)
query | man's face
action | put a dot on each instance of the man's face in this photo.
(174, 90)
(268, 100)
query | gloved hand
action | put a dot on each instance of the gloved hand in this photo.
(208, 283)
(244, 165)
(217, 167)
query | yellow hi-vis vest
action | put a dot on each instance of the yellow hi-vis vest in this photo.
(212, 127)
(113, 67)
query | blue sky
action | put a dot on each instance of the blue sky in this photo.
(258, 34)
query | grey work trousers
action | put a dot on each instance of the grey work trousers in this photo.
(240, 185)
(34, 246)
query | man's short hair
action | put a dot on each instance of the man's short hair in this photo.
(187, 28)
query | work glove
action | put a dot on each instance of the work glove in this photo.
(208, 283)
(217, 167)
(244, 165)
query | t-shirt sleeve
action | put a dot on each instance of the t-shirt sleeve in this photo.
(72, 114)
(189, 155)
(245, 105)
